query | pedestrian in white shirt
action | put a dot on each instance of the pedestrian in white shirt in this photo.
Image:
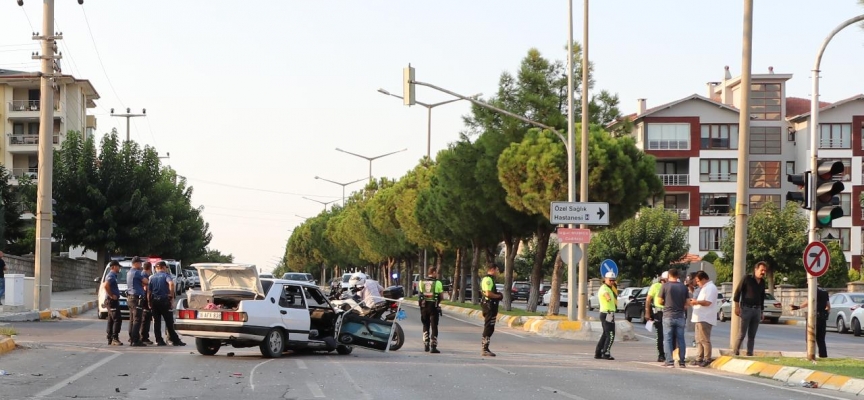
(705, 317)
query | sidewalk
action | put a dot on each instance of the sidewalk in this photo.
(63, 304)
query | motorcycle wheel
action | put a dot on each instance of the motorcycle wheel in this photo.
(398, 338)
(344, 350)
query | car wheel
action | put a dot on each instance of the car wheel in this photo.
(774, 320)
(856, 327)
(344, 350)
(103, 315)
(207, 347)
(273, 344)
(721, 316)
(841, 325)
(628, 318)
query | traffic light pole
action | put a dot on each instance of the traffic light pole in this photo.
(814, 166)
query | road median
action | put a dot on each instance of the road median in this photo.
(794, 376)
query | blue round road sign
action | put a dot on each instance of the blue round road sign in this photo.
(608, 266)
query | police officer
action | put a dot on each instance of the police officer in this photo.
(823, 308)
(147, 315)
(135, 281)
(161, 297)
(112, 298)
(608, 296)
(430, 309)
(654, 312)
(490, 300)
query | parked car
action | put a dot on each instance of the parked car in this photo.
(772, 312)
(842, 307)
(544, 287)
(235, 307)
(192, 278)
(563, 297)
(265, 276)
(297, 276)
(624, 297)
(520, 290)
(635, 308)
(345, 279)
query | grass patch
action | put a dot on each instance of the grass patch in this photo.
(839, 366)
(8, 331)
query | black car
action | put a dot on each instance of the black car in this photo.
(520, 290)
(635, 309)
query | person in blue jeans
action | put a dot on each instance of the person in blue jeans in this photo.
(673, 296)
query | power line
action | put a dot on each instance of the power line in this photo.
(99, 57)
(256, 189)
(247, 210)
(248, 217)
(28, 21)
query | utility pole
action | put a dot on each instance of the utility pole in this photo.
(128, 114)
(583, 170)
(739, 268)
(44, 211)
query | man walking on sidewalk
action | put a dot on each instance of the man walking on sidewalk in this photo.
(749, 300)
(673, 296)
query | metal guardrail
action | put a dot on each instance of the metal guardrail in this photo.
(26, 105)
(29, 139)
(668, 145)
(32, 173)
(675, 179)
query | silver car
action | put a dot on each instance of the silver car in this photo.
(842, 306)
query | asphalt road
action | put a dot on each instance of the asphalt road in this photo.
(68, 359)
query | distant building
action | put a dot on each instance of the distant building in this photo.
(695, 142)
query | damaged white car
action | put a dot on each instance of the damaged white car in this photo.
(235, 307)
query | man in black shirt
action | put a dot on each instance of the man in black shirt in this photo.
(823, 307)
(749, 301)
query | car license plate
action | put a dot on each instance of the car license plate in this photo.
(209, 315)
(122, 303)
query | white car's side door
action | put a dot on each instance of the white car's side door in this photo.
(295, 315)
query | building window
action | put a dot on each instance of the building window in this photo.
(668, 136)
(790, 136)
(846, 203)
(765, 140)
(33, 128)
(765, 101)
(757, 201)
(764, 174)
(718, 170)
(719, 137)
(835, 136)
(846, 175)
(716, 204)
(790, 167)
(710, 238)
(845, 237)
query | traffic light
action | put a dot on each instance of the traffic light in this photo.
(408, 85)
(826, 192)
(805, 193)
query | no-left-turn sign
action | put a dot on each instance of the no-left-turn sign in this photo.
(816, 259)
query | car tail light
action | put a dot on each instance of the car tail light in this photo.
(187, 314)
(514, 290)
(853, 308)
(778, 305)
(234, 316)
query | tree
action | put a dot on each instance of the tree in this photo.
(643, 246)
(13, 229)
(215, 256)
(837, 275)
(775, 236)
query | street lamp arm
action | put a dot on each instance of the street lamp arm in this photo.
(385, 155)
(353, 154)
(831, 36)
(382, 91)
(496, 109)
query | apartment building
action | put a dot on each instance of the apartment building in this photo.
(695, 142)
(20, 100)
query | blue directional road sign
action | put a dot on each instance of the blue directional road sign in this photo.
(608, 266)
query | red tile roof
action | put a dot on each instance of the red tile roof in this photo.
(796, 106)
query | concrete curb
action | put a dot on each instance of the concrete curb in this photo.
(790, 375)
(58, 313)
(6, 345)
(557, 327)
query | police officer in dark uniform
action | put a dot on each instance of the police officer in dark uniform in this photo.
(161, 296)
(112, 300)
(490, 298)
(823, 307)
(147, 315)
(430, 309)
(136, 281)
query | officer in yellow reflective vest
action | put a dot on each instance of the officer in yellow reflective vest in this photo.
(490, 298)
(654, 312)
(430, 309)
(608, 296)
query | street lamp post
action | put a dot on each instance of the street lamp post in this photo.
(325, 203)
(429, 108)
(341, 184)
(370, 159)
(128, 114)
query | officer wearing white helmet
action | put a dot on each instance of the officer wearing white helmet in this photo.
(369, 290)
(608, 296)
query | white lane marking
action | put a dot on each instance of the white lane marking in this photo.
(62, 384)
(780, 385)
(252, 374)
(476, 324)
(357, 387)
(565, 394)
(301, 364)
(315, 389)
(501, 370)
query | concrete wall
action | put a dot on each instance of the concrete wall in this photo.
(787, 295)
(67, 274)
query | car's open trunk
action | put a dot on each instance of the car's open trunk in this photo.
(220, 299)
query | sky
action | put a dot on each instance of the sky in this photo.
(252, 98)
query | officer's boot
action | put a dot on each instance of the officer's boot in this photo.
(486, 351)
(426, 341)
(434, 346)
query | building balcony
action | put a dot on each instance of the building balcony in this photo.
(674, 179)
(27, 143)
(683, 213)
(654, 144)
(826, 143)
(31, 173)
(26, 106)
